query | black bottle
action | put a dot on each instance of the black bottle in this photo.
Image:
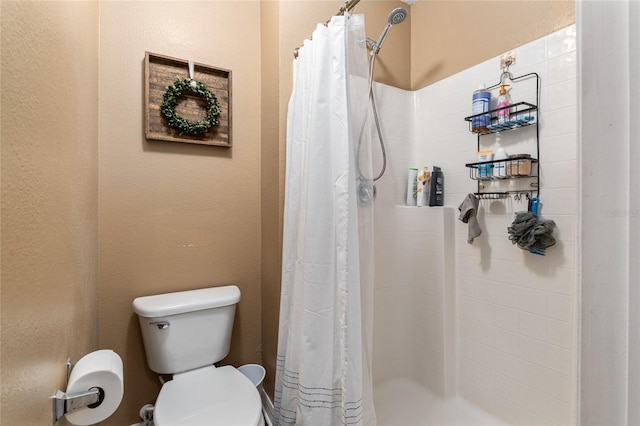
(436, 192)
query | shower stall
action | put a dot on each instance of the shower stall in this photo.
(482, 333)
(463, 333)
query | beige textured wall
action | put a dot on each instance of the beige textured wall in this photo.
(176, 216)
(49, 200)
(271, 171)
(450, 36)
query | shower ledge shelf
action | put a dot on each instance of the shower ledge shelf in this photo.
(426, 208)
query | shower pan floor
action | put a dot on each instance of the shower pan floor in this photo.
(404, 402)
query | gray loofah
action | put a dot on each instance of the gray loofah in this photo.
(530, 232)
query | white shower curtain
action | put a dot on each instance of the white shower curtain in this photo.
(326, 313)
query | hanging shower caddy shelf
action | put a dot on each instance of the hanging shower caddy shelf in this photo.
(521, 114)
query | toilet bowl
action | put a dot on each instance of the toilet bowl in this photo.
(209, 396)
(185, 334)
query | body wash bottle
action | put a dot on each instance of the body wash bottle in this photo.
(421, 183)
(504, 100)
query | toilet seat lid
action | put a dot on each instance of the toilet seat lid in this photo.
(208, 396)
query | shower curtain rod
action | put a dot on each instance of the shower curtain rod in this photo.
(348, 5)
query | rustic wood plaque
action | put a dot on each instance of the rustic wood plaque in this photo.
(160, 72)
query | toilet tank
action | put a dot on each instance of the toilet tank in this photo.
(185, 330)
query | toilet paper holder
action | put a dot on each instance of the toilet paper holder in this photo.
(64, 403)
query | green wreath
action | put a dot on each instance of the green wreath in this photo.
(188, 127)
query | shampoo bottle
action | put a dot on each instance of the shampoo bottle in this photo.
(504, 100)
(412, 187)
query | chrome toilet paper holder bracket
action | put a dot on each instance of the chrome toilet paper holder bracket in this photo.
(64, 403)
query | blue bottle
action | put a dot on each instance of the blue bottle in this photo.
(480, 103)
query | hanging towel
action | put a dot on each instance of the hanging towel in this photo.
(468, 211)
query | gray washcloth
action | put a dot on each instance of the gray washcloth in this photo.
(468, 211)
(530, 232)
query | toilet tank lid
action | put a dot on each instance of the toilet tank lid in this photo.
(186, 301)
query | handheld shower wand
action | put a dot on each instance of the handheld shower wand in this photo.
(366, 187)
(396, 16)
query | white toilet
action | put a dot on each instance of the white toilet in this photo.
(184, 334)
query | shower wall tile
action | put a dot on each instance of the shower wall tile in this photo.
(562, 68)
(532, 54)
(559, 175)
(561, 122)
(558, 96)
(515, 312)
(409, 313)
(561, 42)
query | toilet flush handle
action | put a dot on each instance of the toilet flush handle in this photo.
(160, 324)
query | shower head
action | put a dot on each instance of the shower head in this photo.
(396, 16)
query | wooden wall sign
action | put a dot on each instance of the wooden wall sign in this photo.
(162, 71)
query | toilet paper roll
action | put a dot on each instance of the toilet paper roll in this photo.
(100, 369)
